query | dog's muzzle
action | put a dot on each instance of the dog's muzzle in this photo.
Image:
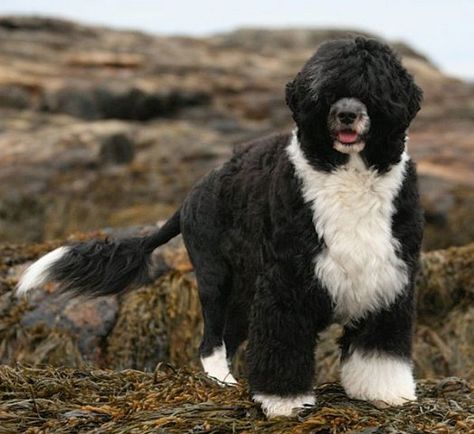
(348, 124)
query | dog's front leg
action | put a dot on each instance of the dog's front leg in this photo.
(280, 353)
(376, 355)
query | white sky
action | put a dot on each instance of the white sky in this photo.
(441, 29)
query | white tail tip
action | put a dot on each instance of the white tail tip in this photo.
(39, 272)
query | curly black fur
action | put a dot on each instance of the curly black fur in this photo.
(96, 268)
(364, 69)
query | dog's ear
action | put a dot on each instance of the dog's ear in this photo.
(416, 97)
(291, 95)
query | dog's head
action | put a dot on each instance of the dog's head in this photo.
(353, 96)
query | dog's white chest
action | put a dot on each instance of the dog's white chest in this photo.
(352, 212)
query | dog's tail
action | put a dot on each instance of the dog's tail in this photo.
(99, 267)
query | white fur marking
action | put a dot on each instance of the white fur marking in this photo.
(349, 149)
(376, 377)
(38, 272)
(274, 405)
(216, 366)
(352, 210)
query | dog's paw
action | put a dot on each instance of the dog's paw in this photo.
(274, 405)
(216, 366)
(224, 380)
(380, 379)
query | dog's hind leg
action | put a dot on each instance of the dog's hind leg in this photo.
(202, 238)
(236, 328)
(214, 293)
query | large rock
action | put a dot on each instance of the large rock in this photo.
(161, 321)
(180, 104)
(119, 102)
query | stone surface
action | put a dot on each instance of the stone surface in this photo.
(161, 321)
(179, 105)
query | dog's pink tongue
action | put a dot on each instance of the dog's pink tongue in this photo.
(347, 136)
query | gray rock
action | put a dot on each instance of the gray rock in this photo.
(117, 149)
(112, 128)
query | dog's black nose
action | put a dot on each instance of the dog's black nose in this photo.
(347, 117)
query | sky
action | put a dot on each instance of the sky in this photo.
(441, 29)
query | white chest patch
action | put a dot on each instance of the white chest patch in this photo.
(352, 211)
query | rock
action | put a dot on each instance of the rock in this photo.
(117, 149)
(21, 217)
(447, 347)
(33, 23)
(183, 103)
(161, 321)
(86, 322)
(118, 102)
(449, 210)
(14, 97)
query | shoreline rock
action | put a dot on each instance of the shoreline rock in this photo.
(66, 89)
(161, 321)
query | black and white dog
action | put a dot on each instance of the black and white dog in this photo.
(295, 232)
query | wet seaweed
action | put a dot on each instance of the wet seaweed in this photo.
(170, 400)
(157, 329)
(162, 321)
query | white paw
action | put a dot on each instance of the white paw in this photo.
(217, 368)
(227, 380)
(274, 405)
(381, 379)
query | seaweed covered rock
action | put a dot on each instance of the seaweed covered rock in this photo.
(158, 322)
(445, 329)
(161, 321)
(180, 400)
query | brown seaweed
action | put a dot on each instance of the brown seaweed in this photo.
(170, 400)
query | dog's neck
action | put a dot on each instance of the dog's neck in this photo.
(356, 162)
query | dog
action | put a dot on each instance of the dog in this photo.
(296, 232)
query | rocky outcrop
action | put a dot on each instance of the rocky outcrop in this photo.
(100, 127)
(161, 322)
(107, 128)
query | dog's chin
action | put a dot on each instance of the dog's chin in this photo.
(348, 141)
(349, 148)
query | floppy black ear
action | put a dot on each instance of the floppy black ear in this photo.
(302, 96)
(416, 98)
(290, 95)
